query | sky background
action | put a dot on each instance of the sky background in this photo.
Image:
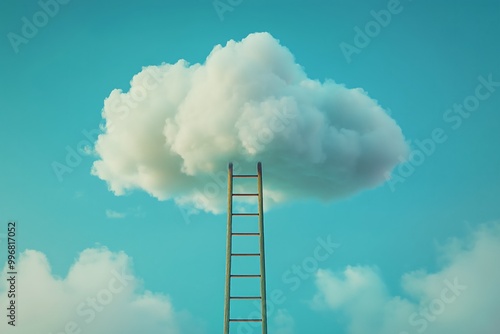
(428, 58)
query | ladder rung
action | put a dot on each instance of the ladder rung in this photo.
(246, 234)
(246, 276)
(246, 297)
(245, 214)
(245, 254)
(246, 194)
(245, 175)
(245, 320)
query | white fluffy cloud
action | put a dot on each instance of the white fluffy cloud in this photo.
(283, 323)
(174, 132)
(99, 296)
(461, 298)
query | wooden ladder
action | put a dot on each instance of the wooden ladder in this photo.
(230, 277)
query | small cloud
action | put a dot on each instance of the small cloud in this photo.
(137, 212)
(115, 214)
(283, 322)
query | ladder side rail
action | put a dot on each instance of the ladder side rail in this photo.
(227, 307)
(262, 253)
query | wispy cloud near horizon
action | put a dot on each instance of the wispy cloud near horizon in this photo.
(99, 295)
(460, 298)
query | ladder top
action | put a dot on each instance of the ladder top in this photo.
(259, 166)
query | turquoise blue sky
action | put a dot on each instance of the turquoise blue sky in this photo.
(429, 57)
